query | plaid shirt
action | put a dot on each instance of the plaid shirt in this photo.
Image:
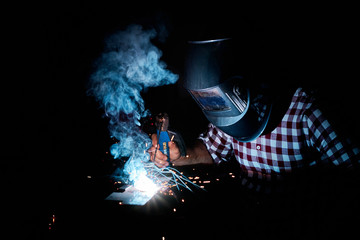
(287, 147)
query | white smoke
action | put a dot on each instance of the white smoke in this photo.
(129, 64)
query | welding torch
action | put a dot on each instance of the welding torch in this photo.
(164, 136)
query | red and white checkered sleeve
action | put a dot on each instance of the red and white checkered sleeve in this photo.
(320, 134)
(218, 143)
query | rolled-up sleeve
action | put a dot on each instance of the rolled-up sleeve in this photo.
(218, 143)
(320, 135)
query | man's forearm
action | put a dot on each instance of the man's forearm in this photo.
(196, 155)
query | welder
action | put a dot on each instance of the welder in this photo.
(270, 131)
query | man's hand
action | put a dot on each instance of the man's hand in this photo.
(197, 155)
(158, 157)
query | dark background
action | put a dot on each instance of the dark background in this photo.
(54, 135)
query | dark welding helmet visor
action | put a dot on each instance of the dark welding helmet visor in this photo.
(238, 108)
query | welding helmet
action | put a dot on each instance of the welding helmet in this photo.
(218, 75)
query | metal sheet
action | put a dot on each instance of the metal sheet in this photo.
(131, 196)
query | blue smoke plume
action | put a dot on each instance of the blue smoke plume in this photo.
(129, 64)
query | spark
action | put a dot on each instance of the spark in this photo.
(167, 177)
(147, 179)
(145, 184)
